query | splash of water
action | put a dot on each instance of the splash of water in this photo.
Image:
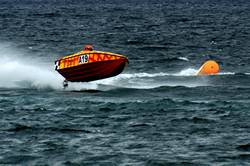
(18, 71)
(15, 73)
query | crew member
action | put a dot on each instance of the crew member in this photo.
(88, 48)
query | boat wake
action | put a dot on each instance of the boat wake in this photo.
(138, 81)
(154, 80)
(186, 78)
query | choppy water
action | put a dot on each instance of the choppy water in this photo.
(155, 113)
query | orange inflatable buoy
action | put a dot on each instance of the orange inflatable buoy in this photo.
(209, 67)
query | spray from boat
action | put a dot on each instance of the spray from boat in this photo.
(17, 71)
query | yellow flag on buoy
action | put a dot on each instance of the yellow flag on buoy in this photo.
(209, 67)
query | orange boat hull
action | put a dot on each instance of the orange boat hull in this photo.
(93, 71)
(90, 66)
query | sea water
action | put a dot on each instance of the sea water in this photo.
(157, 112)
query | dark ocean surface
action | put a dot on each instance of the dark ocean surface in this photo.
(157, 112)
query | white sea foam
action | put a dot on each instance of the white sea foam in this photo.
(185, 72)
(150, 80)
(16, 70)
(18, 74)
(183, 58)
